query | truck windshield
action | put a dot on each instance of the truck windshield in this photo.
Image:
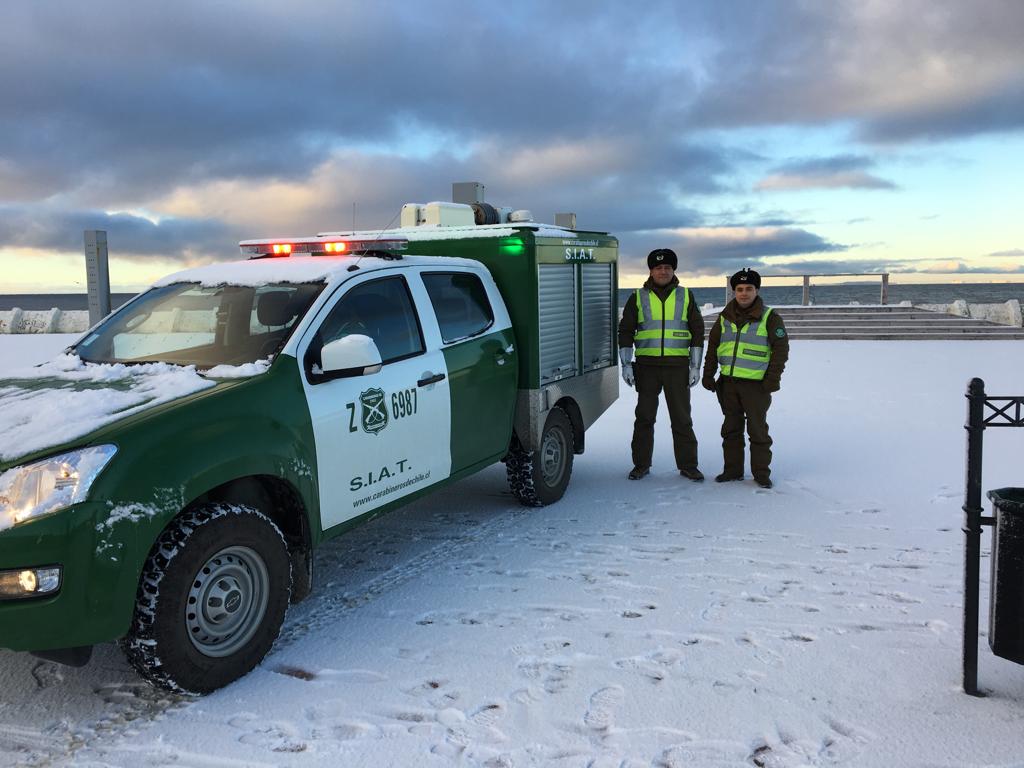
(190, 324)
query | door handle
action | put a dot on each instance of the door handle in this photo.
(430, 379)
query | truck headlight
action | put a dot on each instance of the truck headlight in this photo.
(50, 485)
(30, 582)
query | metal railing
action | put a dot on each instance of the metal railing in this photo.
(806, 300)
(983, 411)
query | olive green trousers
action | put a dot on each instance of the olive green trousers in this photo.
(745, 403)
(674, 381)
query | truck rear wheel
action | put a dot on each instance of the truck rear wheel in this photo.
(540, 477)
(211, 600)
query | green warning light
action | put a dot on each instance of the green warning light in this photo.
(513, 246)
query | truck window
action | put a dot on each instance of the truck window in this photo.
(381, 309)
(460, 303)
(205, 326)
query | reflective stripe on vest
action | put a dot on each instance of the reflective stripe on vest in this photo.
(662, 330)
(744, 353)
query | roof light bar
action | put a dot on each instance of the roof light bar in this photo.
(316, 247)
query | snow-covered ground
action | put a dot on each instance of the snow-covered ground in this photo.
(650, 623)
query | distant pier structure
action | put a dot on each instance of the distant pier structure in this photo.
(97, 274)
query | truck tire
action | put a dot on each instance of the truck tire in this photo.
(540, 477)
(211, 599)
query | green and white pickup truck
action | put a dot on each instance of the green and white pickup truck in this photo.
(166, 480)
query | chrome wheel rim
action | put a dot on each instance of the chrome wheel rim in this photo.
(552, 456)
(227, 601)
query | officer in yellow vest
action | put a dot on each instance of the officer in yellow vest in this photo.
(662, 321)
(750, 345)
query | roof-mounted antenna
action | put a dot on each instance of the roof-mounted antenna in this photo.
(367, 251)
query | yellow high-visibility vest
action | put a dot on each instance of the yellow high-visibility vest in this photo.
(662, 330)
(744, 353)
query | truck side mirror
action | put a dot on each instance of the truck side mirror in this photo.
(354, 355)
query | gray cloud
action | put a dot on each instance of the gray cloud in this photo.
(998, 108)
(960, 268)
(127, 235)
(723, 250)
(842, 171)
(168, 95)
(1010, 254)
(901, 71)
(618, 202)
(556, 106)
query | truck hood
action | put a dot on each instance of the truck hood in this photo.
(66, 399)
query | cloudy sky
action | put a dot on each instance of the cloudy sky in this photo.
(789, 136)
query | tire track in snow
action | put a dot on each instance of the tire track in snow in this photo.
(137, 704)
(326, 608)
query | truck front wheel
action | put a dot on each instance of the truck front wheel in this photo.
(540, 477)
(211, 600)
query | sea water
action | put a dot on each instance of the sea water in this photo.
(869, 293)
(860, 293)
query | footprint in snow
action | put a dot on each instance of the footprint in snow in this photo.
(655, 666)
(601, 712)
(344, 730)
(713, 612)
(47, 673)
(552, 675)
(479, 728)
(274, 736)
(840, 744)
(765, 655)
(718, 754)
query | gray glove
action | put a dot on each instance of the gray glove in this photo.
(695, 358)
(626, 359)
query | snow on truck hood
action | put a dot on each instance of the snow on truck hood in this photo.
(66, 398)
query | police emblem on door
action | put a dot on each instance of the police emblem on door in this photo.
(375, 410)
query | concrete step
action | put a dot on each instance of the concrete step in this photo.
(900, 336)
(874, 308)
(879, 318)
(873, 315)
(952, 333)
(887, 323)
(890, 322)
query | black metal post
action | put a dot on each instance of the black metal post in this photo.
(972, 533)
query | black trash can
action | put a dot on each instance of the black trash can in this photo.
(1006, 606)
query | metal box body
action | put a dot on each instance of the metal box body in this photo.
(561, 295)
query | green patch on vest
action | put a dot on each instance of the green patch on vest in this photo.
(780, 332)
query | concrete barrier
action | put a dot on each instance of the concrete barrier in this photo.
(77, 321)
(43, 321)
(1007, 313)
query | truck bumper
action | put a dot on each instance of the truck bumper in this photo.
(96, 596)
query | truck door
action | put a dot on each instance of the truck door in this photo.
(381, 436)
(480, 356)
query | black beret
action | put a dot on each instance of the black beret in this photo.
(745, 277)
(660, 256)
